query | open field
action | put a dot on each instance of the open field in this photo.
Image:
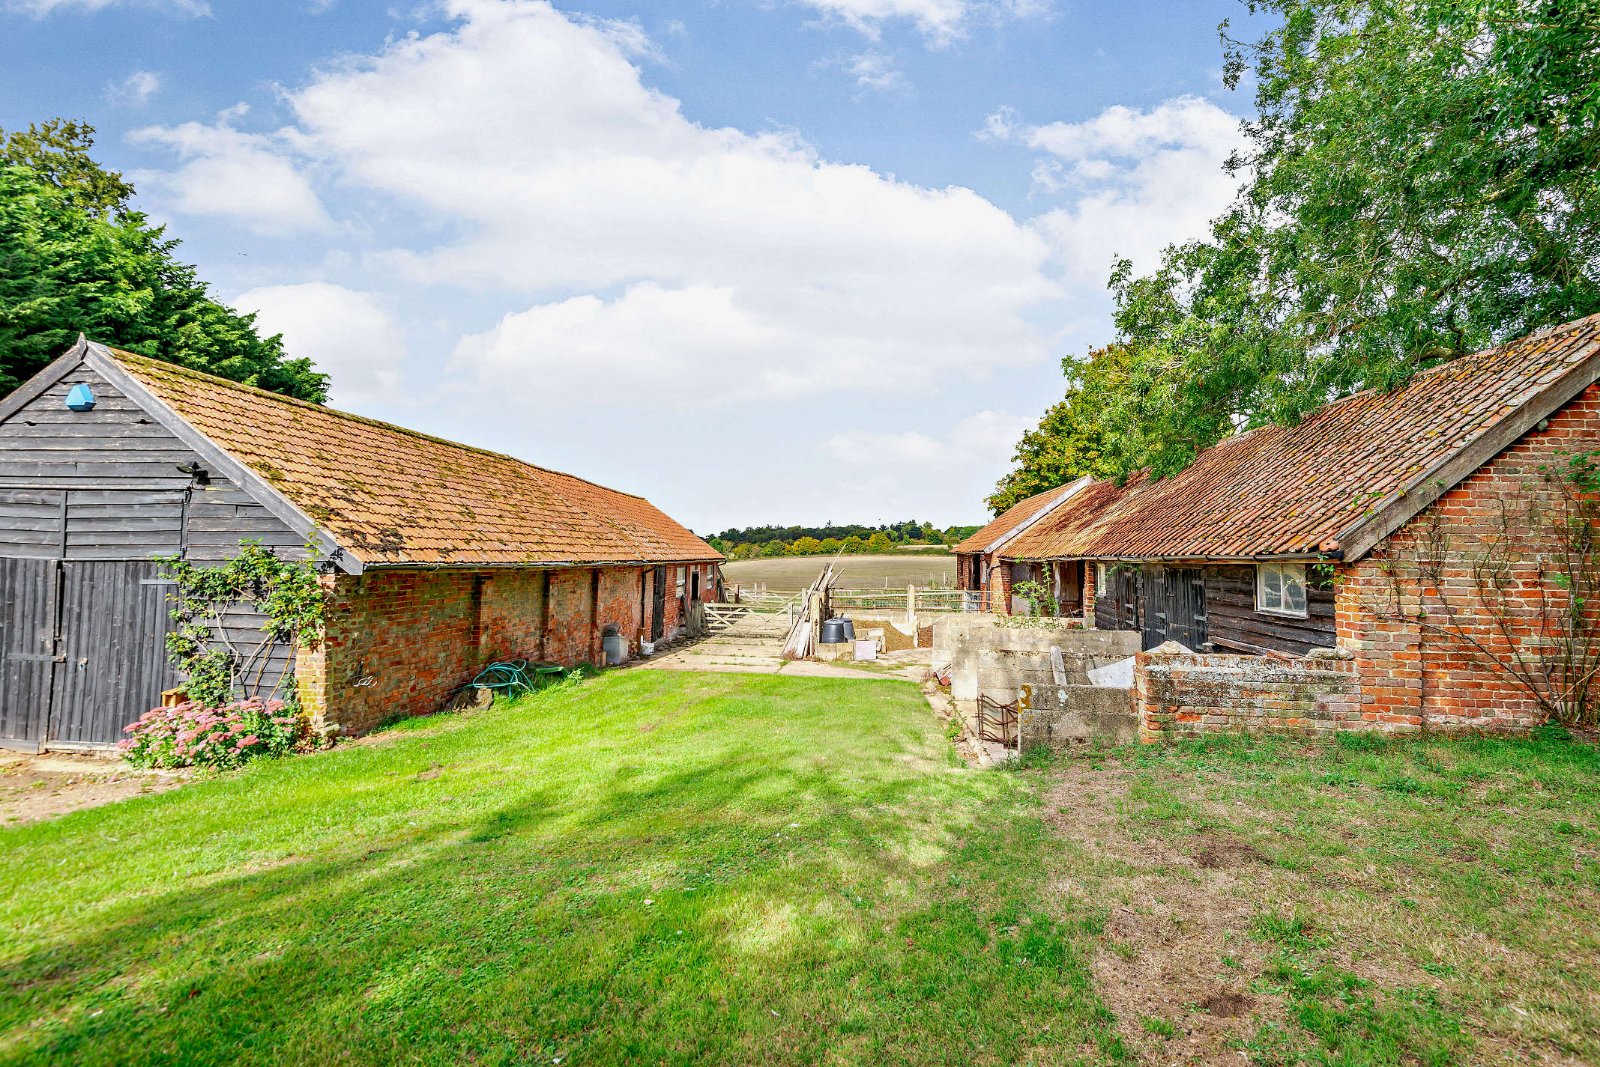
(680, 868)
(856, 572)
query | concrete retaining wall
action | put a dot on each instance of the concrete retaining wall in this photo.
(961, 643)
(1044, 669)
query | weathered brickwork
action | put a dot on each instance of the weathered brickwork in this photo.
(999, 591)
(401, 641)
(965, 568)
(1438, 673)
(1188, 694)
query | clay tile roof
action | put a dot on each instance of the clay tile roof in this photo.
(1015, 517)
(394, 496)
(1291, 490)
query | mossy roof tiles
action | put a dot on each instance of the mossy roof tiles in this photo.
(393, 496)
(1291, 490)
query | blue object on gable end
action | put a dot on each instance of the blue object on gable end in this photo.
(80, 398)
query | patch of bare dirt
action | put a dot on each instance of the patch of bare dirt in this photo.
(45, 786)
(1177, 946)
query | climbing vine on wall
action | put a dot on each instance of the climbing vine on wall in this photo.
(285, 592)
(1527, 590)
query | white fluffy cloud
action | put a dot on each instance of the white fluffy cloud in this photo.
(352, 335)
(940, 20)
(572, 243)
(42, 8)
(135, 90)
(1137, 180)
(875, 70)
(653, 247)
(901, 472)
(226, 172)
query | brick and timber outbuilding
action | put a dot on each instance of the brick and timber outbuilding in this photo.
(436, 558)
(988, 578)
(1413, 559)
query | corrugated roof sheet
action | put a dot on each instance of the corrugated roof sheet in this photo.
(1016, 515)
(395, 496)
(1290, 490)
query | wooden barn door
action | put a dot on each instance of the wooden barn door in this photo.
(1174, 606)
(113, 661)
(29, 595)
(658, 603)
(83, 614)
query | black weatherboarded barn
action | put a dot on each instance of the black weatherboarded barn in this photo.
(94, 481)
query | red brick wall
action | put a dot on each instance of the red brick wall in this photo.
(999, 591)
(400, 642)
(1416, 677)
(966, 566)
(1188, 694)
(1089, 593)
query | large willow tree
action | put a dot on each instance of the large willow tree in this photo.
(1421, 180)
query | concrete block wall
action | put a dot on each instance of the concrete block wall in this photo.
(1186, 694)
(965, 646)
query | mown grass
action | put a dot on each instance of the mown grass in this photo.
(650, 867)
(1422, 902)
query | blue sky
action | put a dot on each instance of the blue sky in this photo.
(761, 260)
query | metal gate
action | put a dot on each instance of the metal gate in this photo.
(1174, 603)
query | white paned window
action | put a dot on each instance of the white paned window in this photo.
(1281, 588)
(1099, 578)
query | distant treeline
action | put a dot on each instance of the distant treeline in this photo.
(755, 542)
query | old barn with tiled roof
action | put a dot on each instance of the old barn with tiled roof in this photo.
(439, 557)
(1287, 539)
(980, 569)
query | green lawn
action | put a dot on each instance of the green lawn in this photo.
(1377, 901)
(672, 868)
(650, 867)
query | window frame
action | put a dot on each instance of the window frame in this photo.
(1283, 570)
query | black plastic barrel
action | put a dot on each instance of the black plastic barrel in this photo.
(835, 631)
(849, 629)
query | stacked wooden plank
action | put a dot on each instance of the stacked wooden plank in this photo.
(813, 608)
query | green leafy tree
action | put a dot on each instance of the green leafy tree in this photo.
(1069, 442)
(74, 258)
(854, 544)
(879, 542)
(57, 152)
(1422, 180)
(806, 546)
(831, 545)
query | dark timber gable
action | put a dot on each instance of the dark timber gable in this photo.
(86, 500)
